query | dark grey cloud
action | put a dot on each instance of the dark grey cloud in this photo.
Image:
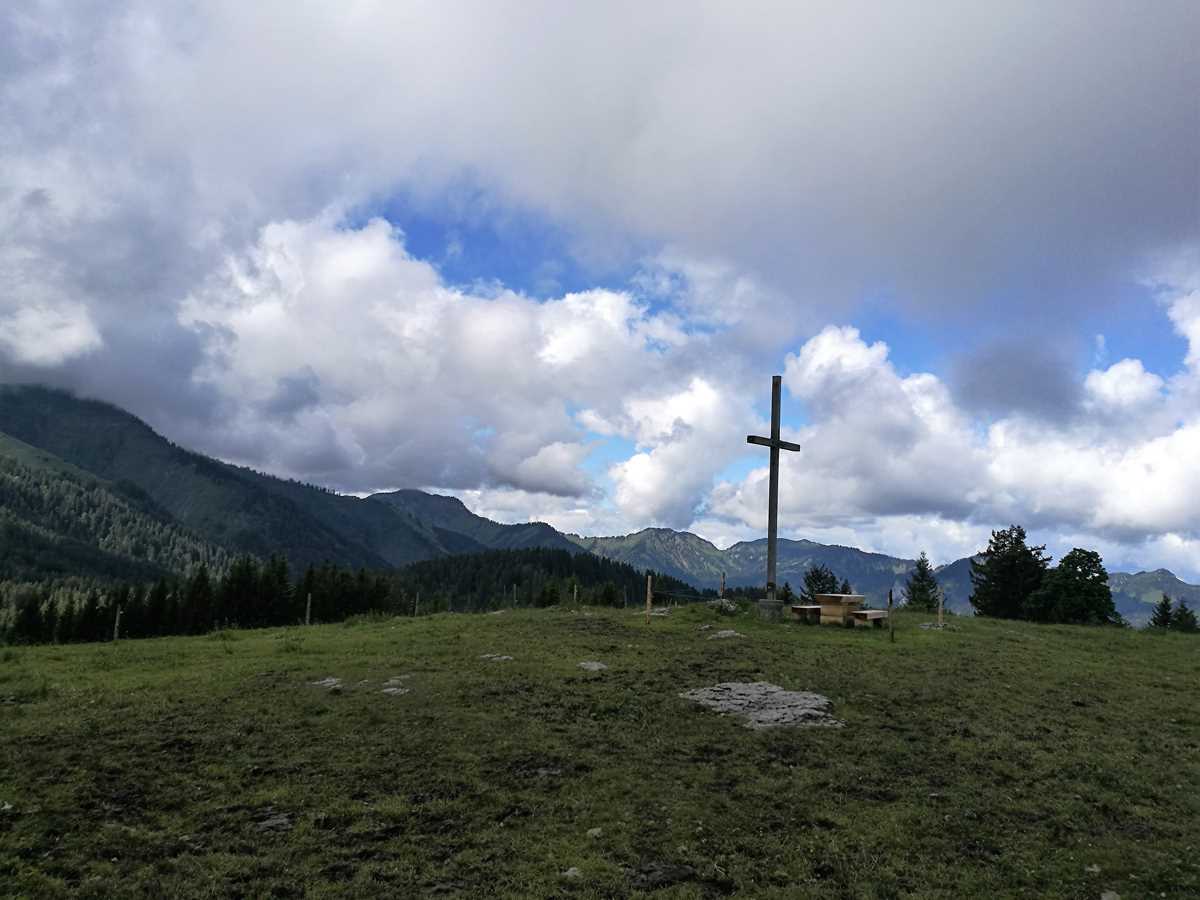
(1026, 377)
(294, 393)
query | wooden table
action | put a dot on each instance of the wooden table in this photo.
(836, 609)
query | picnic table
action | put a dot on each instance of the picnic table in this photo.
(840, 609)
(836, 609)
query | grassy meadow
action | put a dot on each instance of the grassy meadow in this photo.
(996, 759)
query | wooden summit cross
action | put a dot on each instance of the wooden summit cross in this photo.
(772, 608)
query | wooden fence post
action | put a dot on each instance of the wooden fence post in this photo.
(649, 595)
(891, 621)
(117, 626)
(308, 610)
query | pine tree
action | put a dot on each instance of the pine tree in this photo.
(1162, 613)
(844, 587)
(1008, 575)
(1075, 591)
(66, 622)
(922, 590)
(1183, 619)
(819, 579)
(27, 623)
(88, 624)
(197, 604)
(155, 610)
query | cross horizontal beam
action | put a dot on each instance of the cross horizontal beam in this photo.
(767, 442)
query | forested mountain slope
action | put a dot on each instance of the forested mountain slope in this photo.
(444, 515)
(243, 511)
(236, 508)
(57, 520)
(693, 559)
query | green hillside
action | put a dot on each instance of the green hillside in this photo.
(1135, 594)
(229, 506)
(998, 759)
(680, 554)
(58, 521)
(445, 516)
(536, 576)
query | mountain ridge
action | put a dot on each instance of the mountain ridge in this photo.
(243, 510)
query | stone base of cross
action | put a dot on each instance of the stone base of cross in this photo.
(771, 608)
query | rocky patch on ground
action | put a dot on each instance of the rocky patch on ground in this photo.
(765, 705)
(724, 633)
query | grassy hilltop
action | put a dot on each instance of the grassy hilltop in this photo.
(997, 759)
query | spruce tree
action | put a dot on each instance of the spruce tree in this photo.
(88, 625)
(154, 617)
(1162, 613)
(1008, 574)
(922, 590)
(819, 579)
(66, 622)
(1183, 619)
(27, 623)
(844, 587)
(197, 605)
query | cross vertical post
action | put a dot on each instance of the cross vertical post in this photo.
(772, 608)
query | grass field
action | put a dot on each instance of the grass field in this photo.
(994, 760)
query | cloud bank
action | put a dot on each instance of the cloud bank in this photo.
(190, 227)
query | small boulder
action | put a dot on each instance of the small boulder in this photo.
(592, 666)
(724, 633)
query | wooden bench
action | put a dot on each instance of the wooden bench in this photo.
(869, 618)
(810, 615)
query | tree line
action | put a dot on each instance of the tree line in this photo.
(253, 593)
(536, 576)
(1012, 580)
(250, 594)
(1178, 619)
